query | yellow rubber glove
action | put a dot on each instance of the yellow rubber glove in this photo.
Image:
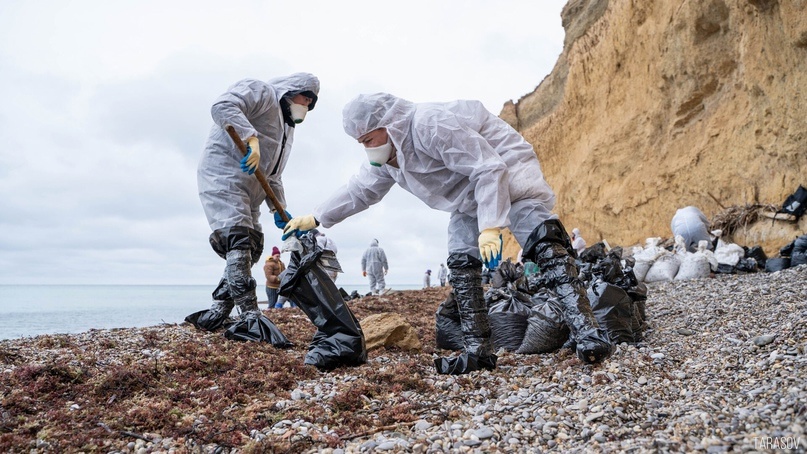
(299, 225)
(490, 243)
(253, 157)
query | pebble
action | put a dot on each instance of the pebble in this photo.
(594, 416)
(664, 394)
(763, 340)
(484, 433)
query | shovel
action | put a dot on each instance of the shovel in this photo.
(291, 243)
(270, 195)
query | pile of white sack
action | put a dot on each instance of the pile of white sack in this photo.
(656, 264)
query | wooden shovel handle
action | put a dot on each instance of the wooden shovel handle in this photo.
(270, 195)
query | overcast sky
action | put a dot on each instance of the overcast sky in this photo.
(105, 107)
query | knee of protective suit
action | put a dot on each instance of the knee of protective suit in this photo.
(459, 260)
(549, 231)
(237, 237)
(466, 270)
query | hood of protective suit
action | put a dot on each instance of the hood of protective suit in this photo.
(367, 113)
(297, 83)
(374, 243)
(455, 156)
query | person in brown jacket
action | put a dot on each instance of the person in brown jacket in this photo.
(272, 269)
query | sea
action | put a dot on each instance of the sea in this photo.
(32, 310)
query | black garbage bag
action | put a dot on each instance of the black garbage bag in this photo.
(638, 294)
(257, 328)
(758, 255)
(610, 270)
(208, 320)
(546, 330)
(354, 295)
(777, 264)
(345, 295)
(339, 339)
(796, 203)
(448, 325)
(613, 308)
(799, 254)
(630, 276)
(594, 253)
(725, 268)
(787, 250)
(508, 316)
(464, 363)
(508, 274)
(746, 265)
(585, 273)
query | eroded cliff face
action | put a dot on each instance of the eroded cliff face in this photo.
(655, 105)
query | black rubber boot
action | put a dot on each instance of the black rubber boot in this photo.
(240, 247)
(251, 324)
(549, 246)
(466, 280)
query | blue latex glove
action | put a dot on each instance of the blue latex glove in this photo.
(493, 260)
(249, 163)
(280, 223)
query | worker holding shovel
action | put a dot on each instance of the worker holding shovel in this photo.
(241, 167)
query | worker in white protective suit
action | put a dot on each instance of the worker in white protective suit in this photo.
(578, 243)
(460, 158)
(264, 115)
(691, 224)
(442, 274)
(374, 267)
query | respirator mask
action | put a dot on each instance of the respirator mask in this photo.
(379, 155)
(298, 112)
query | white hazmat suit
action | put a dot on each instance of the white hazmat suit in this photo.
(690, 223)
(231, 198)
(374, 264)
(455, 157)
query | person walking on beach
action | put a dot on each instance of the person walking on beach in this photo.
(427, 279)
(442, 273)
(272, 269)
(374, 267)
(460, 158)
(265, 116)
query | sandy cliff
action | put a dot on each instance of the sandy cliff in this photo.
(657, 105)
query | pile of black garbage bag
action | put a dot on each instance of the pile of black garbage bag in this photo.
(527, 318)
(755, 259)
(793, 254)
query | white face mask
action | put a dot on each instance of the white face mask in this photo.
(298, 112)
(380, 155)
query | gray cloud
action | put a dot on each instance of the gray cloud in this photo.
(102, 124)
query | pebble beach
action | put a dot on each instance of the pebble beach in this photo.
(721, 369)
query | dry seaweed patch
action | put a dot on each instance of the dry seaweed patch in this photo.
(100, 390)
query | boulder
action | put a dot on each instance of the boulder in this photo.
(389, 329)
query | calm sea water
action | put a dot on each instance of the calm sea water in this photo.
(27, 310)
